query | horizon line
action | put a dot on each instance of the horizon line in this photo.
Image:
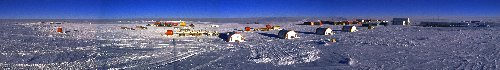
(271, 17)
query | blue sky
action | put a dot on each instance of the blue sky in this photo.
(97, 9)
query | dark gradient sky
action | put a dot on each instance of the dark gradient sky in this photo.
(95, 9)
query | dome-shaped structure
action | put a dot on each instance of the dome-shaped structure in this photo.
(287, 34)
(349, 29)
(235, 37)
(324, 31)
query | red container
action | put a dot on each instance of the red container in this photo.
(157, 23)
(59, 30)
(175, 24)
(247, 28)
(321, 23)
(269, 26)
(349, 22)
(169, 32)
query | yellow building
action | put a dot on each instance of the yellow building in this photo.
(182, 23)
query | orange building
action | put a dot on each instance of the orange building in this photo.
(59, 30)
(169, 32)
(247, 28)
(269, 26)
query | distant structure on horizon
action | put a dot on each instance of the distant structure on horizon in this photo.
(444, 24)
(401, 21)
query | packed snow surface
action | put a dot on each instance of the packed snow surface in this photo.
(88, 45)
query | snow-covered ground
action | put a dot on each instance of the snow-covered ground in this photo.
(94, 45)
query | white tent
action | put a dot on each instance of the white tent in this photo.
(324, 31)
(214, 26)
(235, 37)
(287, 34)
(349, 29)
